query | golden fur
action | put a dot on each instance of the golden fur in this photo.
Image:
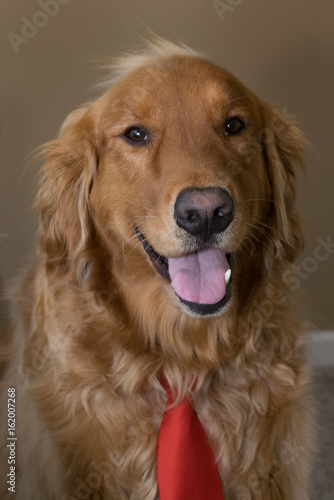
(95, 325)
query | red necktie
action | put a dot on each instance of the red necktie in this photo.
(186, 464)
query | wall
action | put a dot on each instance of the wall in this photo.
(282, 50)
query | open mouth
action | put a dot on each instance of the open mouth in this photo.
(201, 280)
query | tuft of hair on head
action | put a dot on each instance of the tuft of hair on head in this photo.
(154, 49)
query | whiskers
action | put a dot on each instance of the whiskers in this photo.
(259, 235)
(131, 243)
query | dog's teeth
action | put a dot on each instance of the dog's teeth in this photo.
(227, 276)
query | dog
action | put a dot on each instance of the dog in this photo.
(167, 227)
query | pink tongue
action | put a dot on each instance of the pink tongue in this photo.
(200, 277)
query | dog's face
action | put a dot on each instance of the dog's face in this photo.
(193, 184)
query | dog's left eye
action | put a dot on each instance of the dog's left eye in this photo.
(136, 135)
(234, 126)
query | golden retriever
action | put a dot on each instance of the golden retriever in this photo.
(167, 223)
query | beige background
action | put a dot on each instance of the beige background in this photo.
(282, 49)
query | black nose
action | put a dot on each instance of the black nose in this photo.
(203, 212)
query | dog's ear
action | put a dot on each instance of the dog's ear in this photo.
(282, 147)
(63, 197)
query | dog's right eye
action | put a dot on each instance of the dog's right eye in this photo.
(136, 135)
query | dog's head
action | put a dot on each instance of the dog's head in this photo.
(183, 176)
